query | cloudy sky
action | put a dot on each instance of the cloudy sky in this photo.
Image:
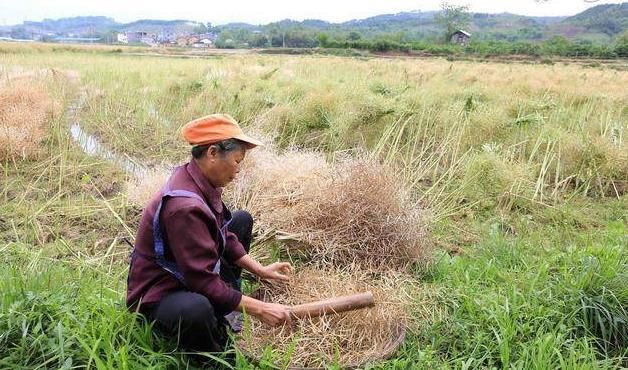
(264, 11)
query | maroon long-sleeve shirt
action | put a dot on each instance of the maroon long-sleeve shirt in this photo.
(192, 237)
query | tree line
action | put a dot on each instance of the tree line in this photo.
(555, 46)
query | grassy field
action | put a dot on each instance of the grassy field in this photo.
(523, 169)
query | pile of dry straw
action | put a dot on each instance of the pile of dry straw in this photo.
(349, 339)
(353, 210)
(26, 112)
(356, 225)
(141, 190)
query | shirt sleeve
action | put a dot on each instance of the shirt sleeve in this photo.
(234, 250)
(196, 254)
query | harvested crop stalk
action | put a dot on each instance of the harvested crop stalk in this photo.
(349, 339)
(333, 305)
(349, 211)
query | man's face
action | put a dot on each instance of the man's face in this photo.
(224, 166)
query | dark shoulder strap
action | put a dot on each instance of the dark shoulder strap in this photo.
(160, 244)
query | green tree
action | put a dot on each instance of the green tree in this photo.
(225, 40)
(21, 33)
(452, 18)
(323, 39)
(557, 45)
(621, 45)
(259, 40)
(299, 37)
(277, 36)
(354, 36)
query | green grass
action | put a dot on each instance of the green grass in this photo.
(555, 298)
(516, 168)
(515, 303)
(58, 314)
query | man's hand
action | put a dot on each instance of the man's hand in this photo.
(269, 313)
(276, 271)
(275, 314)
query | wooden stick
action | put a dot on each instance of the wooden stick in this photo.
(333, 305)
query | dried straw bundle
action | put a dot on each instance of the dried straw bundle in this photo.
(354, 210)
(351, 338)
(269, 180)
(25, 113)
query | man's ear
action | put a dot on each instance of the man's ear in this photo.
(212, 152)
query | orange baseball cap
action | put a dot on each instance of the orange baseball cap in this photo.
(214, 128)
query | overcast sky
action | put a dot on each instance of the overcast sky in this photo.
(265, 11)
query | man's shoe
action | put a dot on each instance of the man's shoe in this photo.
(235, 320)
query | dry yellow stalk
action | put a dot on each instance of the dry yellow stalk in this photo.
(350, 338)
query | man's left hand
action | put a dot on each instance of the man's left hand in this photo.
(276, 271)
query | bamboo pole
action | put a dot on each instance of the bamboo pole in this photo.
(333, 305)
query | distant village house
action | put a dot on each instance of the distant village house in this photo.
(137, 37)
(197, 41)
(203, 40)
(461, 37)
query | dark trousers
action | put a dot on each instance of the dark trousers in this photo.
(189, 317)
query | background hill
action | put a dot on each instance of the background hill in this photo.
(600, 24)
(156, 26)
(78, 25)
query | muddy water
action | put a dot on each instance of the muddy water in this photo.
(92, 146)
(139, 171)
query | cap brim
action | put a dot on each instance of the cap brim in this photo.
(251, 143)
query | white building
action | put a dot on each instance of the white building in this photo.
(122, 38)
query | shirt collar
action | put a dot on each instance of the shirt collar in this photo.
(212, 195)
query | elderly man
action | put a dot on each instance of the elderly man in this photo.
(190, 250)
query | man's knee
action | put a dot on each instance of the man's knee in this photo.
(186, 308)
(242, 219)
(191, 319)
(197, 309)
(242, 225)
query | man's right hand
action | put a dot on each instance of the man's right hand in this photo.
(275, 314)
(272, 314)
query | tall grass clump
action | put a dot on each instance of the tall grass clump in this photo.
(490, 181)
(604, 315)
(597, 166)
(521, 306)
(602, 304)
